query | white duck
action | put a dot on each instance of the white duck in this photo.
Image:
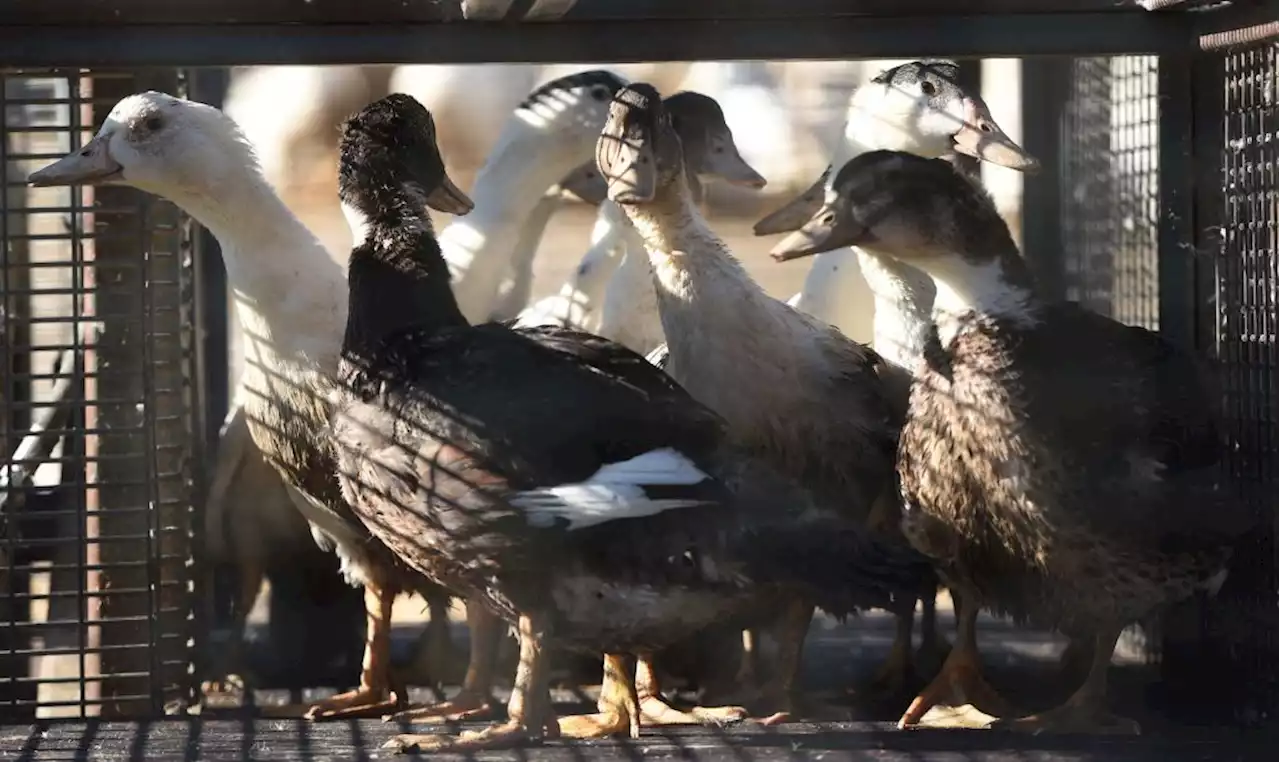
(917, 107)
(549, 135)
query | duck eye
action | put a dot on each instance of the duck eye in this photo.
(928, 88)
(153, 123)
(600, 93)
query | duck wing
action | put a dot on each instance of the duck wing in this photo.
(1141, 431)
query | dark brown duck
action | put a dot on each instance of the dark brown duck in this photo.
(551, 476)
(1059, 467)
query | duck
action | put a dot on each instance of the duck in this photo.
(516, 289)
(1059, 467)
(790, 387)
(572, 305)
(289, 299)
(550, 134)
(617, 261)
(613, 516)
(291, 307)
(919, 107)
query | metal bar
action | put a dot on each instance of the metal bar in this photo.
(1044, 93)
(1242, 36)
(605, 41)
(1176, 265)
(394, 12)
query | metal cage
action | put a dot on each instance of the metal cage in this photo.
(1159, 210)
(97, 435)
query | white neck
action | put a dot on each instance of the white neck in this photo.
(982, 289)
(903, 299)
(290, 295)
(836, 289)
(730, 343)
(479, 247)
(630, 313)
(609, 237)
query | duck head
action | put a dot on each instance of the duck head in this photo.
(707, 142)
(571, 108)
(648, 143)
(708, 149)
(638, 151)
(917, 210)
(158, 143)
(918, 107)
(388, 154)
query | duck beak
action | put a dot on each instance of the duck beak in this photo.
(91, 165)
(725, 163)
(630, 171)
(825, 231)
(449, 198)
(586, 183)
(795, 213)
(982, 138)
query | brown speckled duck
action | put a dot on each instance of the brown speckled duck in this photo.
(1060, 467)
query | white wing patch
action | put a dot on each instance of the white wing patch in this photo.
(614, 492)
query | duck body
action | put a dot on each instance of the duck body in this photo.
(1003, 506)
(614, 587)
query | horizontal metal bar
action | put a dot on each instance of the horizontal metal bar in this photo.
(39, 568)
(442, 12)
(607, 41)
(78, 594)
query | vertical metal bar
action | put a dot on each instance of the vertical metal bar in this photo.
(146, 370)
(78, 113)
(1044, 93)
(93, 664)
(1176, 264)
(210, 86)
(210, 379)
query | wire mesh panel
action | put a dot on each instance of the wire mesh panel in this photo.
(1110, 175)
(1242, 625)
(96, 434)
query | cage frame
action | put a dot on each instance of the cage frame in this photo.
(196, 35)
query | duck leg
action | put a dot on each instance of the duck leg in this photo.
(473, 701)
(232, 679)
(892, 676)
(779, 694)
(1075, 660)
(619, 705)
(933, 647)
(435, 659)
(958, 696)
(748, 675)
(1086, 711)
(374, 697)
(529, 715)
(656, 711)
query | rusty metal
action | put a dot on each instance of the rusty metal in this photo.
(1232, 38)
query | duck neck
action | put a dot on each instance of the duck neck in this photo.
(708, 303)
(479, 248)
(995, 287)
(903, 298)
(397, 280)
(288, 291)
